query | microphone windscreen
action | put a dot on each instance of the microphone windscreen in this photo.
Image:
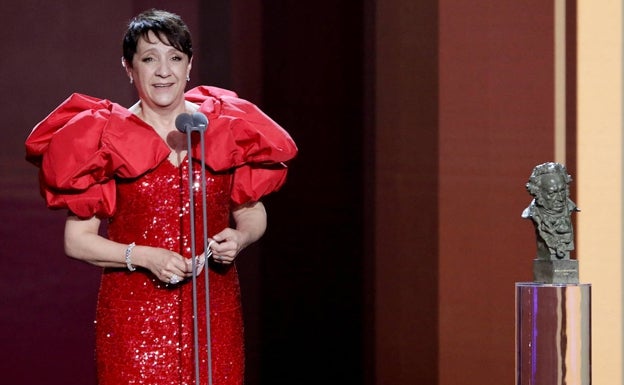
(184, 122)
(199, 119)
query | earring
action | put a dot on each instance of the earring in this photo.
(188, 78)
(131, 80)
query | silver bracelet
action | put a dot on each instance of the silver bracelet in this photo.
(128, 253)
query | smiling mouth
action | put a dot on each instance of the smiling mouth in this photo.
(163, 85)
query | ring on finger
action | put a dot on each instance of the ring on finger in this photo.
(175, 279)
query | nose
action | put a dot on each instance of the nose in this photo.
(163, 69)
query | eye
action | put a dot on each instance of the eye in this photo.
(147, 59)
(177, 58)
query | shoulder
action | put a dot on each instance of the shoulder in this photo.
(81, 147)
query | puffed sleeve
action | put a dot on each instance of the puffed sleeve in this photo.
(82, 146)
(240, 136)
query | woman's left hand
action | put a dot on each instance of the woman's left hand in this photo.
(226, 246)
(250, 219)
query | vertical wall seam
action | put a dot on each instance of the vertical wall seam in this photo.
(560, 80)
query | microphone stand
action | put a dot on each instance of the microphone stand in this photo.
(188, 124)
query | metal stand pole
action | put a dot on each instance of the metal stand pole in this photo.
(199, 124)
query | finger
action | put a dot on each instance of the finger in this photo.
(178, 269)
(215, 246)
(221, 236)
(223, 260)
(224, 235)
(198, 262)
(174, 279)
(225, 249)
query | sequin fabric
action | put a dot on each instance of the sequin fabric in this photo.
(144, 327)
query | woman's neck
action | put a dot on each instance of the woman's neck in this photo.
(163, 122)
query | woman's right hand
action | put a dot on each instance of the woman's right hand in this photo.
(166, 265)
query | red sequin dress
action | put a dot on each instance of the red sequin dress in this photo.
(97, 158)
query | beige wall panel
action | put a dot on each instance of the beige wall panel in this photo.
(598, 179)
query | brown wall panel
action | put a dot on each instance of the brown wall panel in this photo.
(571, 89)
(406, 192)
(496, 124)
(56, 48)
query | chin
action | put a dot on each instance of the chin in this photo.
(166, 101)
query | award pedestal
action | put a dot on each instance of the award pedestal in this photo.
(553, 340)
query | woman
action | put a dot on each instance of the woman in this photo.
(129, 167)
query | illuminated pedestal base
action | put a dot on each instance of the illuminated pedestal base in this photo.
(553, 334)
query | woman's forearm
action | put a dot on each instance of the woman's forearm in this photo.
(83, 242)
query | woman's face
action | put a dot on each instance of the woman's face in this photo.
(159, 72)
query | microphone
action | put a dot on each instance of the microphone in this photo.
(200, 121)
(187, 123)
(184, 122)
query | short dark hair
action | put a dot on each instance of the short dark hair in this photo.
(168, 27)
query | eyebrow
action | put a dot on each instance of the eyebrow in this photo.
(152, 49)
